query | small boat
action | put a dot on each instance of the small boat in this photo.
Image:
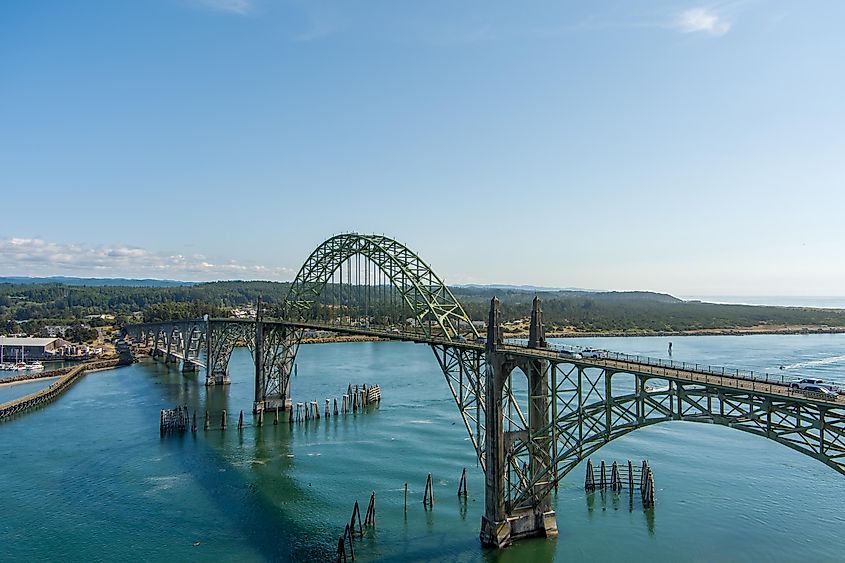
(35, 366)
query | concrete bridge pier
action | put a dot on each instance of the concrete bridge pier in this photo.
(503, 523)
(272, 374)
(189, 366)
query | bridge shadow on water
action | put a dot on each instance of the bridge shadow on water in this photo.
(238, 487)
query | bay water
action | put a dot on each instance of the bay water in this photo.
(88, 477)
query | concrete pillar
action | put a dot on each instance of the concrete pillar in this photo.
(501, 523)
(258, 405)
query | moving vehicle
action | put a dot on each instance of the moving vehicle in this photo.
(593, 353)
(815, 381)
(826, 392)
(571, 354)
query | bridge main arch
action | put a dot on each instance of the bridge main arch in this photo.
(372, 263)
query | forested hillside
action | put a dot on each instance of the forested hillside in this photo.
(26, 307)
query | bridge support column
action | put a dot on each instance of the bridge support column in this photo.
(503, 523)
(189, 366)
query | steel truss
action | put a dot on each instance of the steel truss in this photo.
(590, 407)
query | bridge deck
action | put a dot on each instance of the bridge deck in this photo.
(733, 379)
(664, 369)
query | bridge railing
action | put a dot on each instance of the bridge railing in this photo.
(704, 369)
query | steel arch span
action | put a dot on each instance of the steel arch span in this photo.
(436, 313)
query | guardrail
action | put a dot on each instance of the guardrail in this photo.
(22, 404)
(704, 369)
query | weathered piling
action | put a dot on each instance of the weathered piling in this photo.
(347, 533)
(428, 495)
(194, 422)
(173, 420)
(241, 421)
(345, 404)
(261, 418)
(406, 497)
(223, 421)
(630, 477)
(462, 484)
(615, 479)
(328, 411)
(602, 477)
(370, 518)
(335, 406)
(207, 424)
(290, 415)
(315, 407)
(341, 549)
(276, 417)
(356, 511)
(589, 482)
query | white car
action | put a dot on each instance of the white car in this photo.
(811, 381)
(571, 354)
(593, 353)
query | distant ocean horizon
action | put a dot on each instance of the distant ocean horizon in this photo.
(821, 302)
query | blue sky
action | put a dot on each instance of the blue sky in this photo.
(688, 147)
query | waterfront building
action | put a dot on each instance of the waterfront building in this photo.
(31, 348)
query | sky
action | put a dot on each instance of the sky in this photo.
(696, 148)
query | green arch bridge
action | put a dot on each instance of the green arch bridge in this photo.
(528, 433)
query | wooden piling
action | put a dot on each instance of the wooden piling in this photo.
(630, 477)
(602, 477)
(345, 404)
(328, 411)
(194, 422)
(341, 549)
(615, 479)
(462, 484)
(223, 421)
(241, 421)
(207, 424)
(261, 418)
(348, 533)
(428, 495)
(356, 511)
(370, 519)
(276, 417)
(335, 406)
(315, 406)
(406, 498)
(589, 481)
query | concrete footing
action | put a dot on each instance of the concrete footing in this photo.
(270, 405)
(217, 378)
(521, 524)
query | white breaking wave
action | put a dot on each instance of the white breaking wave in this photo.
(819, 362)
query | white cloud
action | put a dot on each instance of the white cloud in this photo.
(702, 20)
(240, 7)
(35, 257)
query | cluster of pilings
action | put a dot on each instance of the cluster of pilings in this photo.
(356, 398)
(345, 547)
(349, 532)
(174, 420)
(619, 477)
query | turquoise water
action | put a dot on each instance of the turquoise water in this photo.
(89, 478)
(11, 391)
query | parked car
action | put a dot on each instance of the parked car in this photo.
(571, 354)
(827, 392)
(593, 353)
